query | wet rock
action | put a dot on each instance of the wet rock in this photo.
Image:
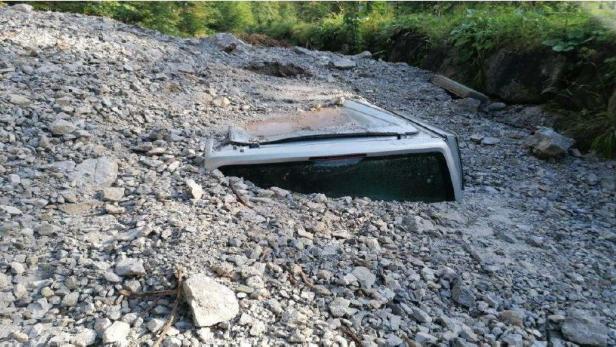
(545, 143)
(582, 328)
(209, 301)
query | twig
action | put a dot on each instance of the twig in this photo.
(239, 196)
(306, 279)
(179, 275)
(351, 334)
(164, 292)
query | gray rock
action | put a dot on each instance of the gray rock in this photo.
(5, 281)
(364, 276)
(343, 63)
(210, 302)
(420, 315)
(155, 324)
(194, 189)
(130, 267)
(470, 105)
(19, 100)
(85, 337)
(545, 143)
(489, 141)
(113, 193)
(462, 295)
(95, 174)
(62, 127)
(338, 307)
(116, 333)
(425, 339)
(70, 299)
(496, 106)
(582, 328)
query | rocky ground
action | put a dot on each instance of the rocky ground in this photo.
(103, 197)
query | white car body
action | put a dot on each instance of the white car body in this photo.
(406, 136)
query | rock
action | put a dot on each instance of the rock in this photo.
(194, 189)
(227, 42)
(85, 337)
(130, 267)
(62, 127)
(5, 281)
(210, 302)
(155, 324)
(95, 174)
(113, 193)
(425, 339)
(362, 55)
(470, 105)
(172, 341)
(19, 100)
(22, 8)
(338, 307)
(489, 141)
(11, 210)
(496, 106)
(343, 63)
(420, 315)
(20, 336)
(39, 308)
(519, 77)
(17, 268)
(70, 299)
(582, 328)
(545, 143)
(116, 333)
(364, 276)
(101, 324)
(512, 317)
(462, 295)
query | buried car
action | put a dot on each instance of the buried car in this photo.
(356, 149)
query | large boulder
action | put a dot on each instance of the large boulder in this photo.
(546, 143)
(523, 77)
(210, 302)
(584, 329)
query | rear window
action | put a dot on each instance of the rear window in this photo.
(409, 177)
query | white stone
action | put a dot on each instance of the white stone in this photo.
(210, 302)
(113, 193)
(116, 333)
(62, 127)
(194, 189)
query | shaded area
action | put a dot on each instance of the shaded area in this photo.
(416, 177)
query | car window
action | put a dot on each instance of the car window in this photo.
(410, 177)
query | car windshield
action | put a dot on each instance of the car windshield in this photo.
(410, 177)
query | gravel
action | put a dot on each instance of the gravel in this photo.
(118, 199)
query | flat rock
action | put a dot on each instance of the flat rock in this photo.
(116, 333)
(19, 100)
(130, 267)
(364, 276)
(62, 127)
(95, 174)
(210, 302)
(582, 328)
(343, 63)
(113, 193)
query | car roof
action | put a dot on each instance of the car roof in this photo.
(352, 119)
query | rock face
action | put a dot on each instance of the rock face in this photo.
(210, 302)
(518, 78)
(95, 174)
(545, 143)
(582, 328)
